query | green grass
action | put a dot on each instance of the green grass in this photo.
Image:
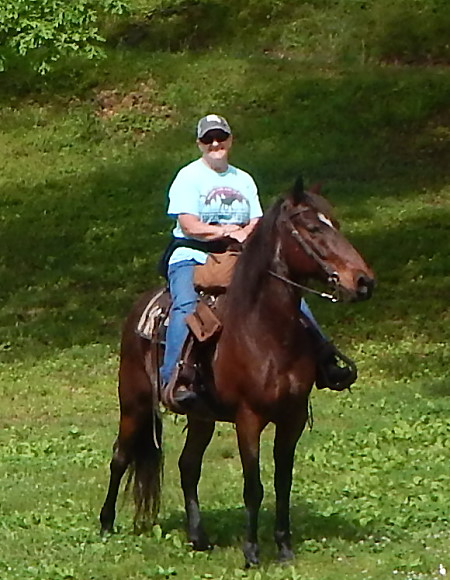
(82, 224)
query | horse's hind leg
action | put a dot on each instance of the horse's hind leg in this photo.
(138, 447)
(120, 461)
(190, 463)
(287, 434)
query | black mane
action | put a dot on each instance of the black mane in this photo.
(255, 261)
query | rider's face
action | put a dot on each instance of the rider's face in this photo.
(215, 145)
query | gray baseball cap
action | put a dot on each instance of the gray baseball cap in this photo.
(212, 122)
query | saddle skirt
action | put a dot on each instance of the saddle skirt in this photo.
(154, 315)
(203, 322)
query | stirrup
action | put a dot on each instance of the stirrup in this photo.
(177, 395)
(348, 373)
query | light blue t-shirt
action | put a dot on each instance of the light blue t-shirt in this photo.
(215, 198)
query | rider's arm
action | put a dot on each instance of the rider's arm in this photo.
(243, 232)
(193, 227)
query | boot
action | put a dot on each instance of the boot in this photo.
(183, 392)
(330, 373)
(178, 394)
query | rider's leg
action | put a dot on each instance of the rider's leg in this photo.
(306, 310)
(184, 299)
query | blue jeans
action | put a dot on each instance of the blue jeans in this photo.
(307, 312)
(184, 300)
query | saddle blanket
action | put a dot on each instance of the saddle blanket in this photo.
(150, 316)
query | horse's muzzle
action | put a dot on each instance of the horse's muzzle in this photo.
(364, 286)
(361, 289)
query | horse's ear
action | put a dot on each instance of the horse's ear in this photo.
(297, 191)
(316, 188)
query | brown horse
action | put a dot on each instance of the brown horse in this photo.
(264, 367)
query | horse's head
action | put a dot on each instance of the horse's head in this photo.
(312, 246)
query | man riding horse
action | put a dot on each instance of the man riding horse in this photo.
(262, 366)
(215, 204)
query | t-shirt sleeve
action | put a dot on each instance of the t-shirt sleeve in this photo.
(253, 198)
(183, 195)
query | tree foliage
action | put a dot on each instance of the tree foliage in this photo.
(43, 31)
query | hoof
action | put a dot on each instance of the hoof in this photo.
(105, 532)
(200, 542)
(202, 545)
(251, 562)
(251, 555)
(106, 520)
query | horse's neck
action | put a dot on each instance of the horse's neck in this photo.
(276, 307)
(265, 300)
(271, 330)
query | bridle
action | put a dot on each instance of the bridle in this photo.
(310, 250)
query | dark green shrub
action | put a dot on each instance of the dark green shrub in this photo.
(411, 31)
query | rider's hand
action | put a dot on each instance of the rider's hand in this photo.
(239, 235)
(229, 229)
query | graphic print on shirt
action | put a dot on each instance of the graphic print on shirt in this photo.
(224, 204)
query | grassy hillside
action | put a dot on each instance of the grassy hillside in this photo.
(86, 157)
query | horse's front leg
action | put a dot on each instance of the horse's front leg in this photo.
(287, 434)
(190, 464)
(248, 428)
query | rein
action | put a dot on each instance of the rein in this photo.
(305, 288)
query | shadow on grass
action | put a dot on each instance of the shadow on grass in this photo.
(225, 527)
(437, 388)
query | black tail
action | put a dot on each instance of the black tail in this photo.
(145, 472)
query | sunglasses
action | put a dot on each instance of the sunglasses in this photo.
(214, 135)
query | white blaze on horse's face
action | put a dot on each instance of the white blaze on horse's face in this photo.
(323, 218)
